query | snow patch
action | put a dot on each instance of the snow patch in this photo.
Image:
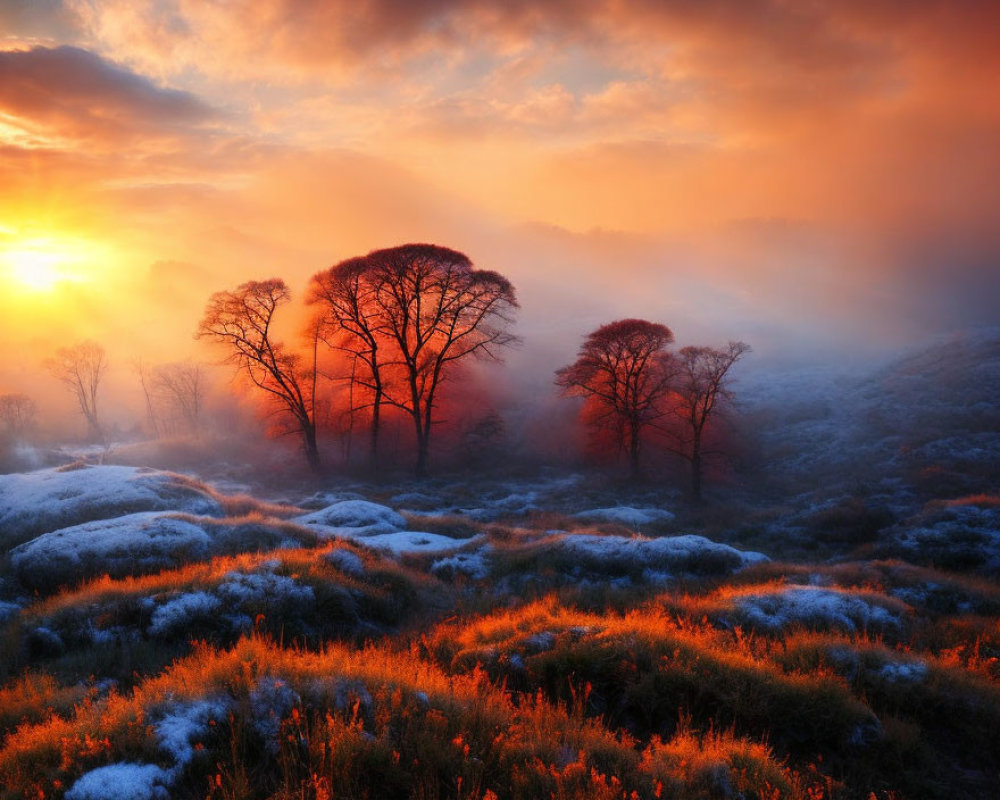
(180, 611)
(352, 518)
(472, 565)
(665, 555)
(259, 588)
(123, 781)
(347, 562)
(415, 542)
(135, 542)
(46, 500)
(185, 722)
(814, 607)
(627, 515)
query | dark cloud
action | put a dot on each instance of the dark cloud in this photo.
(78, 94)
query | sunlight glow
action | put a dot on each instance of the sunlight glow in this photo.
(41, 263)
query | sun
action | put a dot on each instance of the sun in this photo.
(41, 263)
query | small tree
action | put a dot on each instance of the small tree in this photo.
(181, 390)
(434, 308)
(347, 321)
(80, 368)
(17, 415)
(624, 368)
(241, 320)
(700, 389)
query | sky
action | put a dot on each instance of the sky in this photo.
(809, 177)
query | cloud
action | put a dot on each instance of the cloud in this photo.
(76, 94)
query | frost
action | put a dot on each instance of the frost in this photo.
(180, 611)
(263, 588)
(184, 723)
(352, 518)
(473, 565)
(122, 782)
(815, 607)
(959, 537)
(271, 702)
(687, 553)
(903, 671)
(38, 502)
(634, 518)
(415, 542)
(347, 562)
(136, 542)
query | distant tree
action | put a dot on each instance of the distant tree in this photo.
(347, 320)
(241, 320)
(625, 369)
(17, 415)
(181, 390)
(146, 382)
(80, 368)
(435, 309)
(700, 389)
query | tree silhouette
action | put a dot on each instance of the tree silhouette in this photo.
(180, 389)
(434, 308)
(346, 320)
(625, 369)
(700, 387)
(17, 415)
(80, 368)
(241, 320)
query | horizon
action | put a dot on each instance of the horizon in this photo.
(818, 182)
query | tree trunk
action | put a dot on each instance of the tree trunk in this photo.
(312, 451)
(376, 422)
(696, 468)
(423, 447)
(633, 450)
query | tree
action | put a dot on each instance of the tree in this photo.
(435, 309)
(241, 320)
(180, 389)
(81, 368)
(346, 320)
(700, 388)
(17, 415)
(625, 369)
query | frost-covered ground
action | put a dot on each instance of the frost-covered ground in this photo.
(836, 601)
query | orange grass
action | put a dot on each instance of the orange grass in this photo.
(466, 729)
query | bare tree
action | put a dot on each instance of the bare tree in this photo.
(17, 414)
(241, 320)
(180, 388)
(81, 368)
(346, 320)
(435, 308)
(700, 388)
(146, 382)
(625, 369)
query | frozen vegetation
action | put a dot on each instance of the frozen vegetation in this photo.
(120, 545)
(47, 500)
(635, 518)
(817, 608)
(123, 781)
(824, 622)
(353, 518)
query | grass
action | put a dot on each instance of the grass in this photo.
(403, 728)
